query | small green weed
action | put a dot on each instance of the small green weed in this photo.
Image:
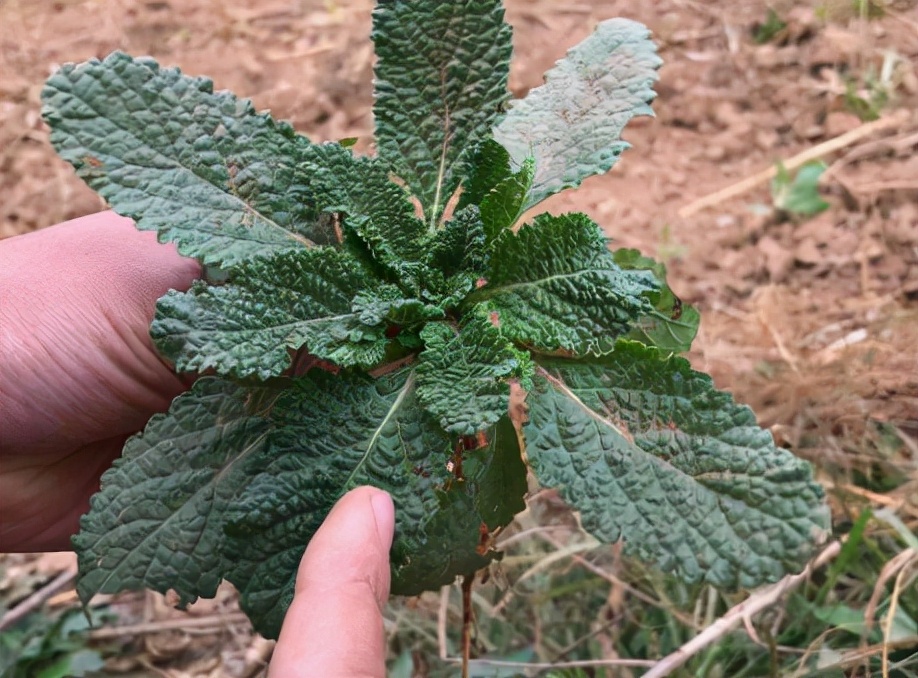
(768, 29)
(798, 194)
(868, 95)
(50, 646)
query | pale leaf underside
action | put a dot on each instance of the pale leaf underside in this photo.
(572, 124)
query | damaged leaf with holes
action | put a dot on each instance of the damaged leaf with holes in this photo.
(363, 320)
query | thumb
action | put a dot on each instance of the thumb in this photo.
(334, 626)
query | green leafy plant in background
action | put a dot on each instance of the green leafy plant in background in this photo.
(798, 194)
(363, 320)
(867, 95)
(769, 29)
(41, 646)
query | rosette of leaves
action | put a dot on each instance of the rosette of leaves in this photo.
(363, 320)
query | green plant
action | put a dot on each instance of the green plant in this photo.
(41, 646)
(874, 90)
(358, 329)
(769, 29)
(799, 194)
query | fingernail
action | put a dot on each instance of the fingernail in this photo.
(384, 512)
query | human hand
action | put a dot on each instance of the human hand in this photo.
(79, 373)
(334, 627)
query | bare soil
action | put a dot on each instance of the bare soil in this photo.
(813, 322)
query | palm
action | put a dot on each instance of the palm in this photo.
(79, 371)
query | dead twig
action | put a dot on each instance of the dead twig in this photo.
(37, 599)
(874, 187)
(540, 565)
(874, 497)
(891, 569)
(888, 146)
(442, 613)
(467, 583)
(891, 615)
(797, 161)
(786, 355)
(849, 659)
(212, 622)
(754, 604)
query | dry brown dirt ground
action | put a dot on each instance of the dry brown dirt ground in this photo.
(813, 322)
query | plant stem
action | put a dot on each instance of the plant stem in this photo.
(467, 582)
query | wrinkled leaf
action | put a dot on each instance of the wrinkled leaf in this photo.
(289, 301)
(308, 249)
(156, 522)
(331, 433)
(463, 374)
(387, 304)
(461, 244)
(649, 452)
(487, 497)
(555, 286)
(673, 324)
(334, 433)
(234, 481)
(669, 327)
(503, 206)
(458, 256)
(502, 480)
(374, 207)
(201, 168)
(572, 124)
(490, 166)
(441, 80)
